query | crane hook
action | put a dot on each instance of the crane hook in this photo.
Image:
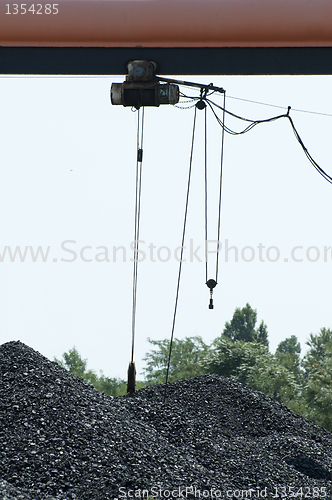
(211, 284)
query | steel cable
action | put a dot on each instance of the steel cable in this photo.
(181, 254)
(139, 161)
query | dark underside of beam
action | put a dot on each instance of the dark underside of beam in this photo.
(171, 61)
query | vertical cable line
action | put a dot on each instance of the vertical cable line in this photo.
(182, 246)
(212, 283)
(140, 129)
(220, 184)
(206, 192)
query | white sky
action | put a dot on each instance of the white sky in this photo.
(68, 173)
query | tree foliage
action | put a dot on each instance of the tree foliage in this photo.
(320, 346)
(242, 327)
(185, 359)
(73, 362)
(288, 353)
(252, 364)
(317, 390)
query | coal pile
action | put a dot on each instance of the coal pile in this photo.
(214, 438)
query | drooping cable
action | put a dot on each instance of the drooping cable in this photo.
(139, 160)
(327, 177)
(181, 253)
(253, 123)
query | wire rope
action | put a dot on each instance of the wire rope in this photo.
(181, 253)
(139, 161)
(206, 193)
(220, 186)
(211, 283)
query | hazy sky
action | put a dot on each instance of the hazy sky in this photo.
(68, 179)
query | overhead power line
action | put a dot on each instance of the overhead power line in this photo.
(280, 107)
(253, 123)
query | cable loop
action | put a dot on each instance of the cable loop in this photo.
(211, 283)
(253, 123)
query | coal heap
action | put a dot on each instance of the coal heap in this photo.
(61, 439)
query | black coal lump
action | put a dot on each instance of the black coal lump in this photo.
(60, 439)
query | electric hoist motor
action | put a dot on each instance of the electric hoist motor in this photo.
(143, 88)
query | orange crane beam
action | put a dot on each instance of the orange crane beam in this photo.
(167, 23)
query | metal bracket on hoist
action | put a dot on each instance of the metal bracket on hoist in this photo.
(144, 88)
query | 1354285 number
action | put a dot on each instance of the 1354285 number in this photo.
(286, 492)
(35, 8)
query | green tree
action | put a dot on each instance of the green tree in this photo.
(185, 359)
(242, 327)
(111, 386)
(73, 362)
(252, 364)
(288, 353)
(318, 394)
(320, 345)
(317, 390)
